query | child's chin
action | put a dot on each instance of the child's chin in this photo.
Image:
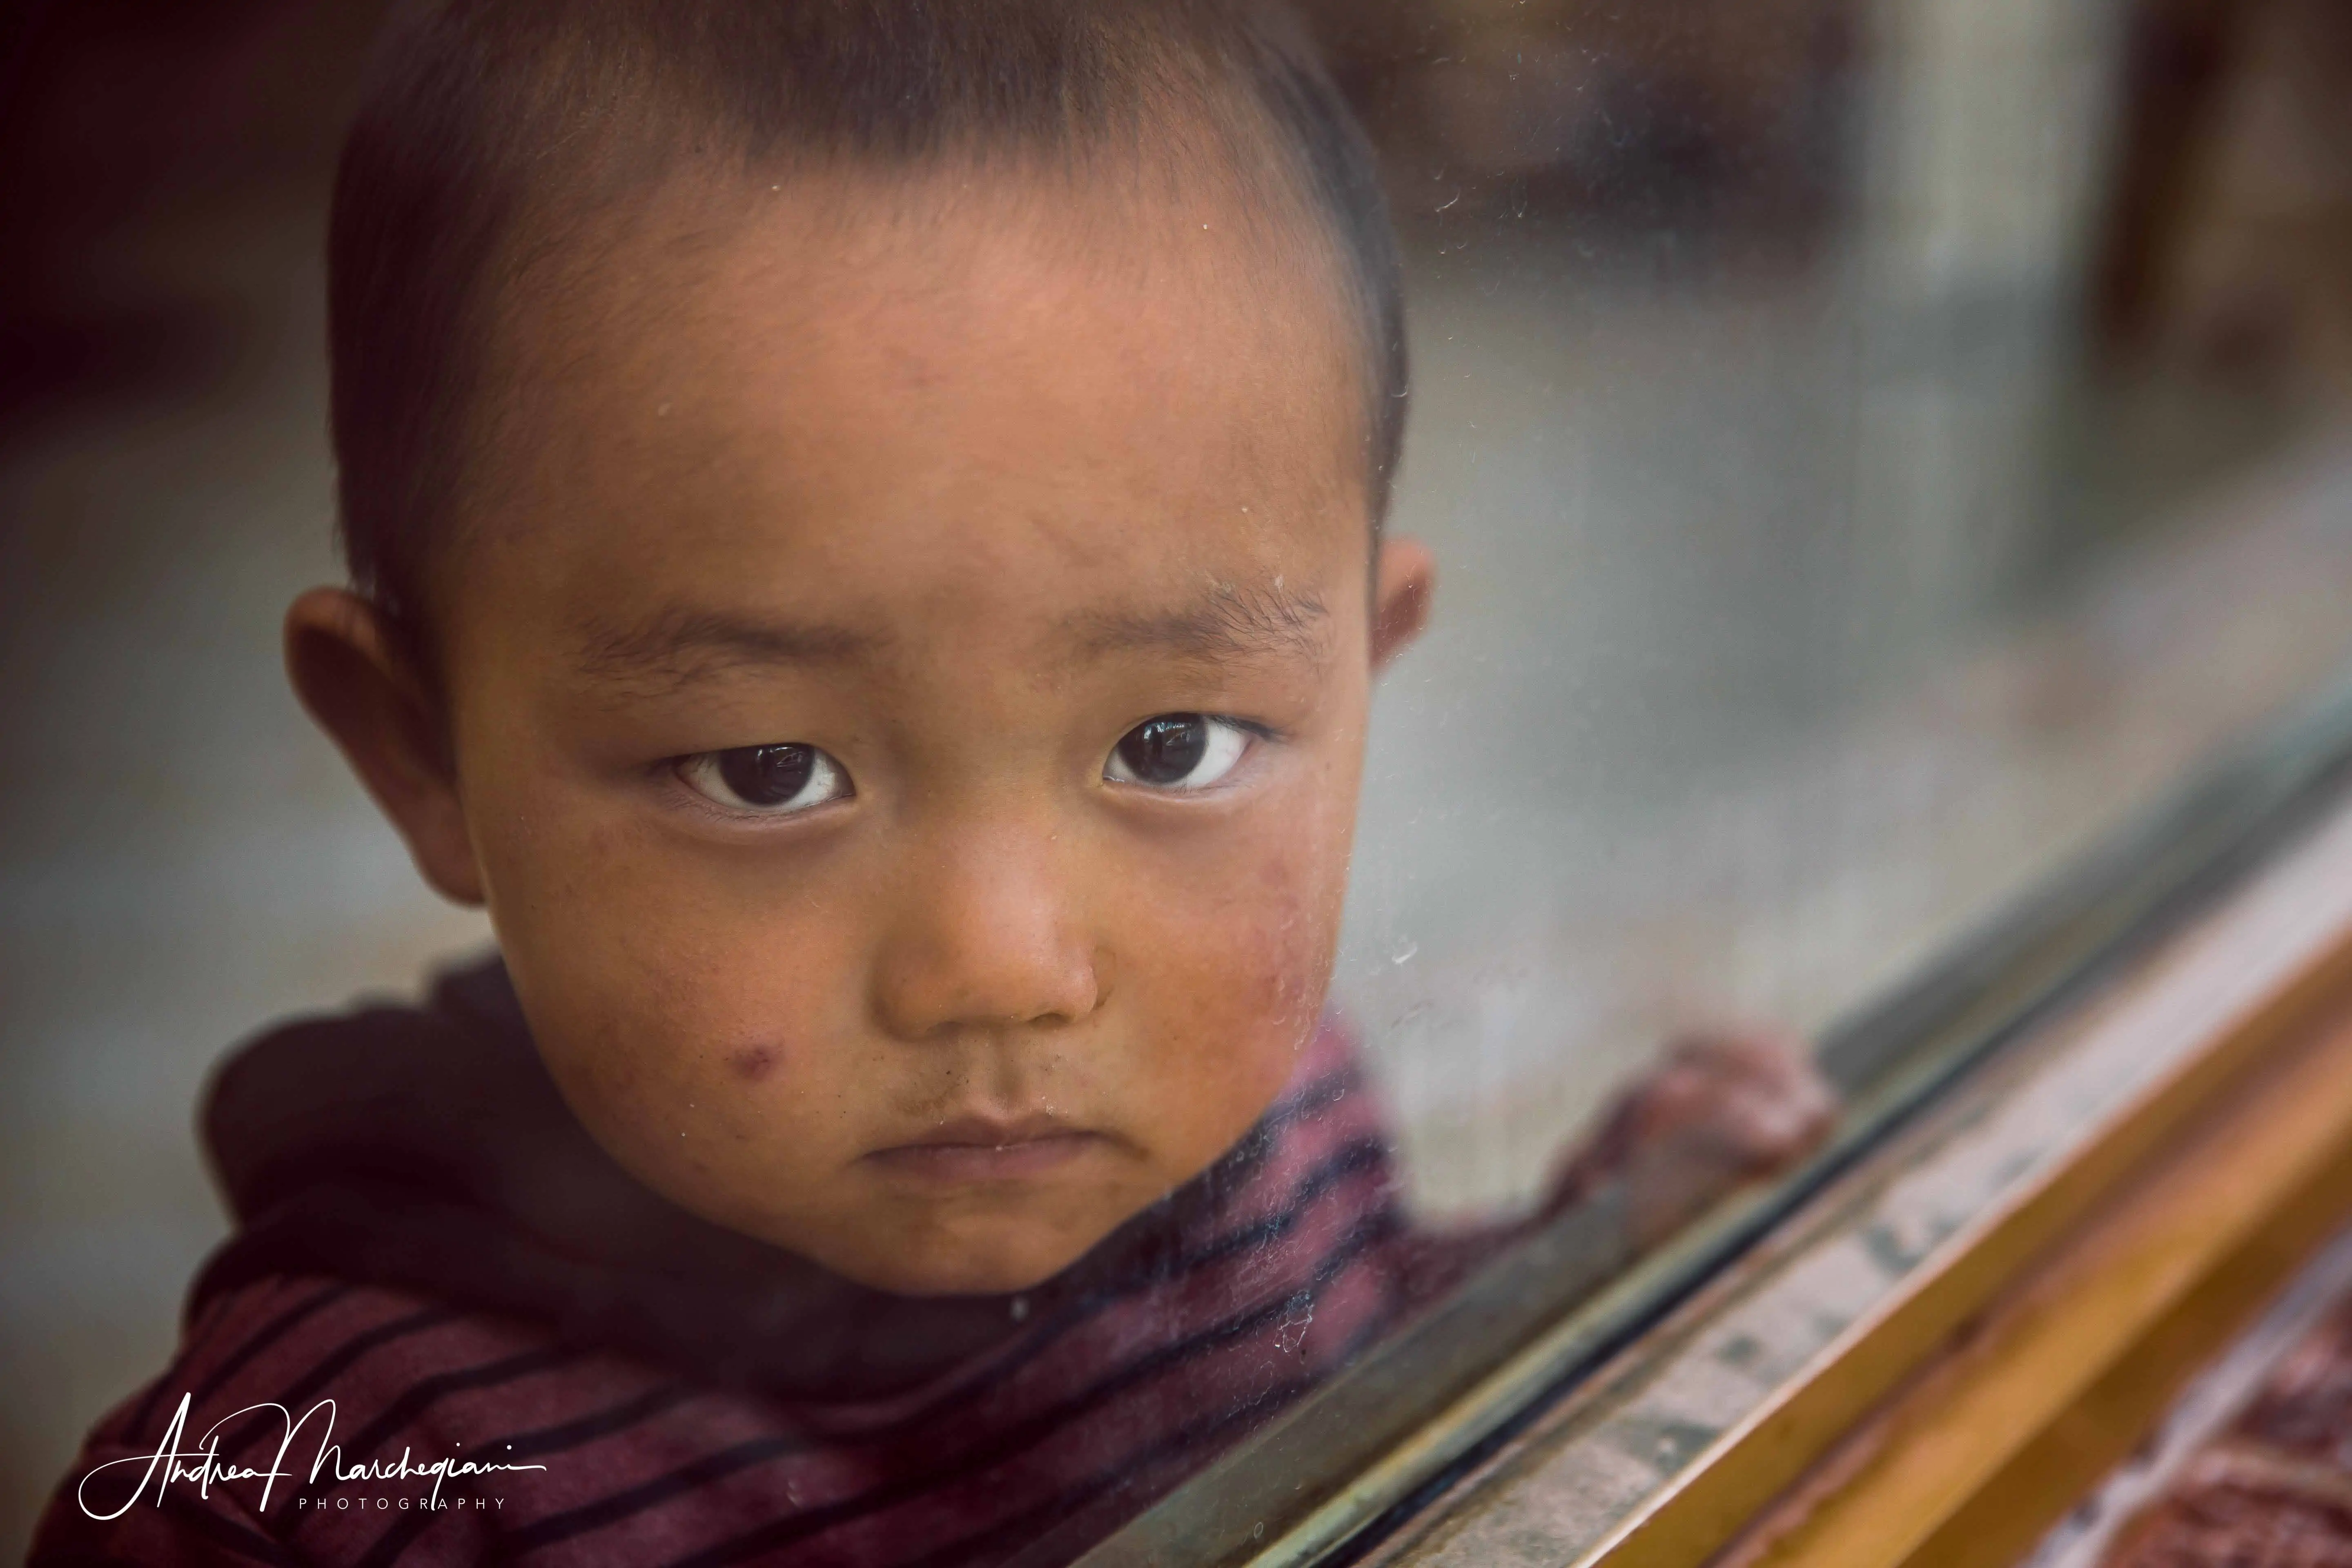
(1000, 1260)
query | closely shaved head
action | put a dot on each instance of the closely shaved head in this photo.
(504, 140)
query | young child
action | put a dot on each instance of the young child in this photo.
(866, 518)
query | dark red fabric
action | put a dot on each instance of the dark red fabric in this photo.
(2273, 1489)
(1098, 1394)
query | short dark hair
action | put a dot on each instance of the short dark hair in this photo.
(473, 107)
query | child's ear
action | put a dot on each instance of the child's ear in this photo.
(1405, 578)
(348, 669)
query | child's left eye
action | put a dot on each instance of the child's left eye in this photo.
(774, 781)
(1177, 751)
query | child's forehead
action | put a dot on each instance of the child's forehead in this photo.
(824, 386)
(860, 569)
(930, 261)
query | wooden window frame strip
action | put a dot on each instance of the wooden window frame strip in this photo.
(2003, 1431)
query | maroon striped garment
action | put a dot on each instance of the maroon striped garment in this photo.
(428, 1241)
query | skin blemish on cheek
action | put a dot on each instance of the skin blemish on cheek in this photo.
(753, 1063)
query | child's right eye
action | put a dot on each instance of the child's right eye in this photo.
(774, 781)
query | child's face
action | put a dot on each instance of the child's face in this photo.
(944, 508)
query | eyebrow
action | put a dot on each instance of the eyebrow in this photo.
(687, 644)
(1229, 623)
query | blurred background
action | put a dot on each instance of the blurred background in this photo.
(1873, 447)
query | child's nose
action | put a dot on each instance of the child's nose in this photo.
(988, 937)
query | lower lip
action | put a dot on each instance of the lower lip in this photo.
(952, 1164)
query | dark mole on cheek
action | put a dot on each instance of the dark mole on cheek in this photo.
(753, 1063)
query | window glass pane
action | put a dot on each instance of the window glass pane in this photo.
(1867, 460)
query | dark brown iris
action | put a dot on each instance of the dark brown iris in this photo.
(1165, 750)
(767, 775)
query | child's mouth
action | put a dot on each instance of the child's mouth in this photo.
(978, 1149)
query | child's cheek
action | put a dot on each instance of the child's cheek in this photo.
(1297, 930)
(1293, 920)
(687, 1026)
(1234, 988)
